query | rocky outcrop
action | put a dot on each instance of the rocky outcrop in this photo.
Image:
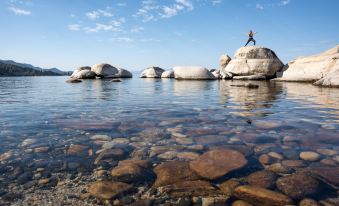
(323, 67)
(104, 70)
(123, 73)
(254, 60)
(330, 80)
(83, 73)
(192, 73)
(152, 72)
(98, 70)
(224, 60)
(167, 74)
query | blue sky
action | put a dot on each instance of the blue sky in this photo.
(136, 34)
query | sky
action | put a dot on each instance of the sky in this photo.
(136, 34)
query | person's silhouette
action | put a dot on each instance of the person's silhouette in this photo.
(250, 37)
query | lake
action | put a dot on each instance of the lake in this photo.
(61, 138)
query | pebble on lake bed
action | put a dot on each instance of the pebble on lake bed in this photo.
(309, 156)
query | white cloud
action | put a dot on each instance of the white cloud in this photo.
(121, 4)
(170, 11)
(216, 2)
(99, 13)
(74, 27)
(137, 29)
(187, 3)
(114, 25)
(259, 6)
(284, 2)
(173, 10)
(122, 39)
(20, 12)
(145, 12)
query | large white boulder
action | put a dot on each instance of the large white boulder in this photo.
(167, 74)
(192, 73)
(254, 60)
(331, 79)
(123, 73)
(224, 60)
(83, 73)
(104, 70)
(152, 72)
(311, 68)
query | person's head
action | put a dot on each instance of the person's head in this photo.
(250, 30)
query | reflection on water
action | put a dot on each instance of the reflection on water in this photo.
(248, 101)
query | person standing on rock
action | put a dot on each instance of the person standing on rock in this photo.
(250, 37)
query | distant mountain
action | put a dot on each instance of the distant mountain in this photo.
(12, 68)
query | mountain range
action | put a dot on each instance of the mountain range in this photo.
(12, 68)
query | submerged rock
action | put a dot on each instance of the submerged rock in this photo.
(190, 188)
(72, 80)
(308, 202)
(298, 186)
(328, 174)
(107, 189)
(313, 68)
(6, 155)
(217, 163)
(165, 173)
(229, 186)
(261, 197)
(104, 70)
(254, 60)
(114, 154)
(131, 171)
(152, 72)
(192, 73)
(309, 156)
(264, 178)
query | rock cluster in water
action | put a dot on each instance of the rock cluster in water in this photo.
(102, 70)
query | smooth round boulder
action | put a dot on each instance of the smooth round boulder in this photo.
(107, 190)
(166, 170)
(217, 163)
(152, 72)
(104, 70)
(192, 73)
(298, 186)
(83, 73)
(123, 73)
(309, 156)
(252, 60)
(167, 74)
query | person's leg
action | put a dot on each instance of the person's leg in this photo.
(253, 41)
(249, 40)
